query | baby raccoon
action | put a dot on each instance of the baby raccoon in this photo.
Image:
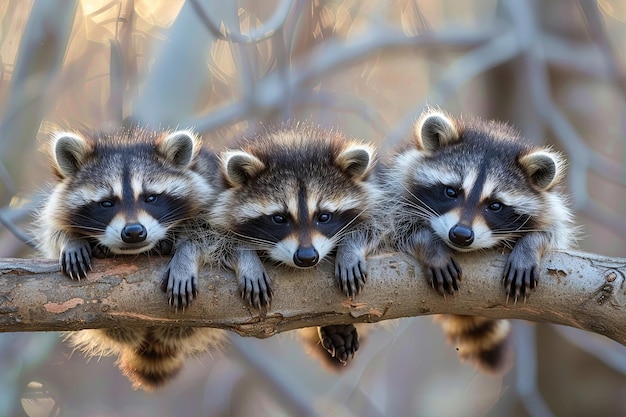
(296, 197)
(466, 185)
(127, 193)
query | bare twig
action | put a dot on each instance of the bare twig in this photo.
(271, 91)
(220, 31)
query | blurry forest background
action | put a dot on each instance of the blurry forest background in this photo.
(554, 69)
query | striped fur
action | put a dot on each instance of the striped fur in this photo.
(297, 196)
(468, 184)
(129, 192)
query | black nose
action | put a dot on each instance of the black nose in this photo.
(134, 233)
(461, 235)
(306, 257)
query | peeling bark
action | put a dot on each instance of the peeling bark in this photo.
(577, 289)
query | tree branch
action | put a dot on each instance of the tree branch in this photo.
(576, 289)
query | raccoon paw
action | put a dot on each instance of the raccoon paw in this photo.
(256, 289)
(445, 277)
(180, 283)
(350, 273)
(340, 341)
(76, 259)
(520, 276)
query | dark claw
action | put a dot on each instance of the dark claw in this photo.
(257, 292)
(340, 341)
(518, 280)
(76, 260)
(445, 278)
(179, 292)
(351, 280)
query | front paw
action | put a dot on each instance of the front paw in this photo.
(256, 288)
(180, 283)
(350, 272)
(76, 259)
(444, 276)
(340, 341)
(520, 276)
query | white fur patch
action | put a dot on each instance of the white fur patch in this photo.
(442, 224)
(523, 203)
(87, 195)
(323, 245)
(483, 237)
(317, 204)
(252, 210)
(425, 176)
(284, 250)
(469, 180)
(112, 237)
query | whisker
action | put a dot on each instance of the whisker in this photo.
(422, 205)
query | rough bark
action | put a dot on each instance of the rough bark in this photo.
(577, 289)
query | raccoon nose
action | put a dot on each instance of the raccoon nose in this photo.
(134, 233)
(306, 257)
(461, 235)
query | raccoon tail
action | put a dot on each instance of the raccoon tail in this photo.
(479, 340)
(163, 352)
(149, 357)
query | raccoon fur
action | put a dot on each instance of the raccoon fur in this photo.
(297, 196)
(127, 193)
(468, 184)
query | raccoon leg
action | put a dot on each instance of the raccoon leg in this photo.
(254, 283)
(442, 271)
(76, 258)
(521, 272)
(341, 341)
(180, 278)
(350, 271)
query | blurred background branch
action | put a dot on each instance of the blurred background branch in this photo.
(555, 70)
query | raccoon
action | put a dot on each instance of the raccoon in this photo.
(297, 196)
(468, 184)
(128, 193)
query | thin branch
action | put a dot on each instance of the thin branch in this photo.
(274, 24)
(270, 92)
(576, 289)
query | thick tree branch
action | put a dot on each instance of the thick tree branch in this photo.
(576, 289)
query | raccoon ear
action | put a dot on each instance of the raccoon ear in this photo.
(239, 166)
(69, 152)
(543, 167)
(179, 147)
(434, 130)
(356, 160)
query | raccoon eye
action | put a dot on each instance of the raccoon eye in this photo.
(451, 192)
(324, 217)
(106, 203)
(495, 206)
(279, 219)
(151, 198)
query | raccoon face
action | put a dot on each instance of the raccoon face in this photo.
(294, 207)
(478, 188)
(125, 197)
(299, 231)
